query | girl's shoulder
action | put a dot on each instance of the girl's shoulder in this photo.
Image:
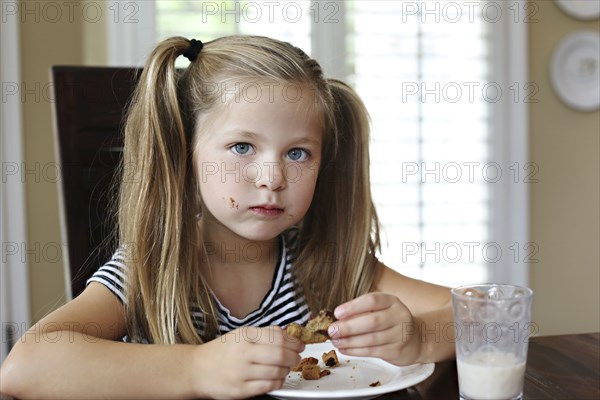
(113, 274)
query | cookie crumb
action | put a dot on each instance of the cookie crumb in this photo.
(311, 372)
(330, 359)
(232, 203)
(304, 363)
(374, 384)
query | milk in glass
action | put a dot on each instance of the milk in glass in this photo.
(490, 376)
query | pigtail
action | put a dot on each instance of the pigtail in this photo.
(343, 215)
(157, 205)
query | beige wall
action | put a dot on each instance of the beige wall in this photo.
(565, 204)
(50, 35)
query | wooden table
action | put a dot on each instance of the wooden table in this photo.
(558, 367)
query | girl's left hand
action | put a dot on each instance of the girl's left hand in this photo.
(376, 325)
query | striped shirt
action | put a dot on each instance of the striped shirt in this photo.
(283, 304)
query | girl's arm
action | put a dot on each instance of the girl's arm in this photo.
(74, 352)
(403, 321)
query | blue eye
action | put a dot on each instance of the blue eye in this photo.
(241, 148)
(298, 154)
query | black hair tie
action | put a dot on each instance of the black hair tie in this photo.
(193, 50)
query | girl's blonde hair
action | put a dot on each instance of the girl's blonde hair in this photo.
(158, 204)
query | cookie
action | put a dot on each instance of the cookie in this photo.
(315, 330)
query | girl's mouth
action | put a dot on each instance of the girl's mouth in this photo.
(267, 211)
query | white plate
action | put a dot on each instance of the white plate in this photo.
(351, 379)
(580, 9)
(575, 70)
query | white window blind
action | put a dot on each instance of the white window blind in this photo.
(414, 64)
(425, 70)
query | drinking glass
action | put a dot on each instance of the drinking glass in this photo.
(493, 325)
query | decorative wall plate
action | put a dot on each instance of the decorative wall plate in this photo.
(580, 9)
(575, 70)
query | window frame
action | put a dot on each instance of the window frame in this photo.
(510, 129)
(131, 32)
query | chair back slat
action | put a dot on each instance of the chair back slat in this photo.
(89, 110)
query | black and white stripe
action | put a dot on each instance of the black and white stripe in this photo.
(112, 275)
(282, 305)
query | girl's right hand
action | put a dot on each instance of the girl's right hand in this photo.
(246, 362)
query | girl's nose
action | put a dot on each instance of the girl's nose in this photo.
(271, 176)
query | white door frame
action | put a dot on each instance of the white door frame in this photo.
(14, 282)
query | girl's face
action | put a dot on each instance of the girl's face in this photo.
(257, 162)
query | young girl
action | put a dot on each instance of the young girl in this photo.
(249, 208)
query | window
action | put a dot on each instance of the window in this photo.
(449, 149)
(413, 64)
(208, 20)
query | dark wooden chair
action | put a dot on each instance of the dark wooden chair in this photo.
(89, 109)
